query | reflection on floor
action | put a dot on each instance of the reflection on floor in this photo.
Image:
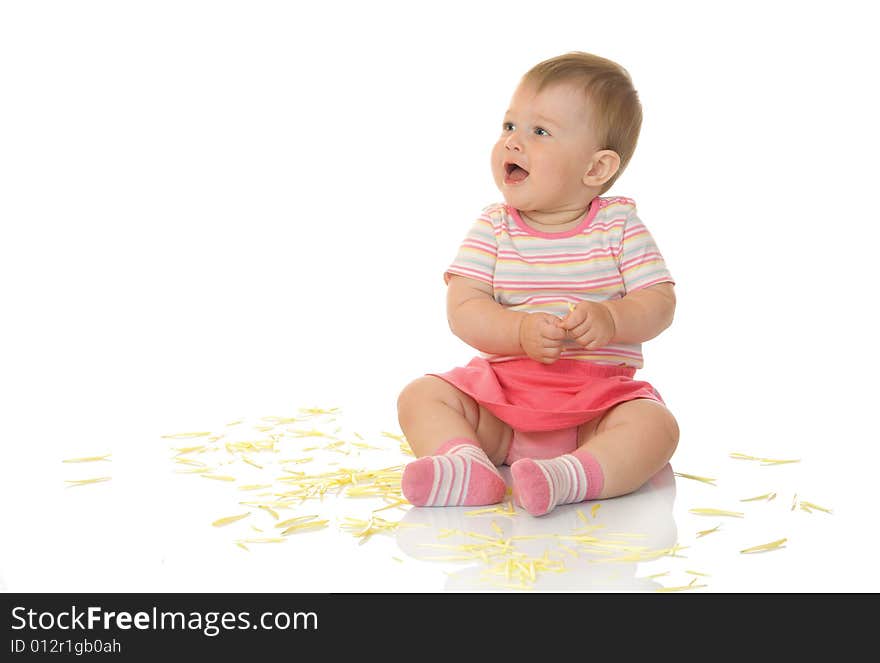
(566, 550)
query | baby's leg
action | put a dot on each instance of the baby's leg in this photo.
(458, 443)
(616, 455)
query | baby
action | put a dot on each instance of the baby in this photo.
(557, 288)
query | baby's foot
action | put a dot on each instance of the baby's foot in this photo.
(459, 474)
(540, 485)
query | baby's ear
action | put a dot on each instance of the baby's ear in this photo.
(603, 167)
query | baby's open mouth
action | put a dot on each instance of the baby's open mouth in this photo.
(514, 174)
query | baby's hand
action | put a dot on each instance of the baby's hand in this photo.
(590, 325)
(541, 336)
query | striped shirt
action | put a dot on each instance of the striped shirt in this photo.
(609, 254)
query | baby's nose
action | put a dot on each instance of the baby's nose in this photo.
(513, 143)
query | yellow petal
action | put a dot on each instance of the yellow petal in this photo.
(83, 482)
(717, 512)
(708, 531)
(87, 459)
(711, 482)
(773, 545)
(220, 522)
(217, 477)
(765, 496)
(810, 505)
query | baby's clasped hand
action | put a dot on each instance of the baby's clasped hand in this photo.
(541, 336)
(589, 324)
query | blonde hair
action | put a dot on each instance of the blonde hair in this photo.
(609, 90)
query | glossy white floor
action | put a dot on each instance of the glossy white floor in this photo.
(149, 528)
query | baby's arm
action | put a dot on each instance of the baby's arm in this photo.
(478, 320)
(642, 314)
(637, 317)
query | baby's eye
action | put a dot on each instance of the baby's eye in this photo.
(541, 132)
(507, 126)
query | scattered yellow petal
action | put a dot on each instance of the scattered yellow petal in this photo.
(697, 573)
(87, 459)
(186, 450)
(396, 503)
(739, 456)
(250, 462)
(765, 496)
(298, 519)
(255, 486)
(657, 575)
(594, 510)
(218, 477)
(810, 505)
(190, 461)
(480, 512)
(318, 410)
(263, 540)
(83, 482)
(182, 436)
(707, 531)
(711, 482)
(314, 524)
(298, 461)
(220, 522)
(717, 512)
(364, 529)
(765, 461)
(280, 420)
(773, 545)
(507, 510)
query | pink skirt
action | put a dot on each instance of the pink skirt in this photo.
(531, 396)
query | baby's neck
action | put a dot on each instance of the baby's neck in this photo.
(556, 221)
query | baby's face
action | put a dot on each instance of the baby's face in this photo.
(545, 149)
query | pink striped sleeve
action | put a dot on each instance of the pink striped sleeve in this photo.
(641, 263)
(477, 254)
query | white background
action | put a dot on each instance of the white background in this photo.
(221, 209)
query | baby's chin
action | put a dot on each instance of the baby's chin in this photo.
(517, 199)
(512, 196)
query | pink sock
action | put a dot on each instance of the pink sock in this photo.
(540, 485)
(458, 474)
